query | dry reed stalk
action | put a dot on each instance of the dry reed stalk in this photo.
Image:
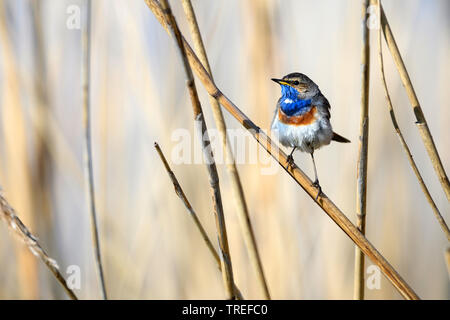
(447, 260)
(421, 122)
(298, 175)
(236, 185)
(180, 193)
(430, 200)
(361, 171)
(13, 222)
(86, 67)
(227, 270)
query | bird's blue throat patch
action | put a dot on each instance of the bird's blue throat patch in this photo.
(291, 104)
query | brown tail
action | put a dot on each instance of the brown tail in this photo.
(339, 138)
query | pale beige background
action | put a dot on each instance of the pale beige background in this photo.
(151, 249)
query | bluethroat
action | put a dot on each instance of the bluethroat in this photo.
(302, 118)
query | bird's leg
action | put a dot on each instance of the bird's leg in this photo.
(316, 181)
(290, 158)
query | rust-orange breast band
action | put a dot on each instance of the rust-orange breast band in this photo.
(300, 120)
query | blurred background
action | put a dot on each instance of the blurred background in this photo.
(150, 247)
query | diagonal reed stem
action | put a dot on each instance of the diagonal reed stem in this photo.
(299, 176)
(86, 48)
(236, 186)
(361, 171)
(227, 270)
(430, 200)
(421, 122)
(180, 193)
(13, 222)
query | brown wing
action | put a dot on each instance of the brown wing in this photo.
(322, 104)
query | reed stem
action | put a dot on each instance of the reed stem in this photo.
(15, 224)
(180, 193)
(361, 171)
(430, 200)
(447, 260)
(227, 270)
(86, 48)
(236, 185)
(421, 122)
(298, 175)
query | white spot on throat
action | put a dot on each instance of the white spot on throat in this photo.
(287, 100)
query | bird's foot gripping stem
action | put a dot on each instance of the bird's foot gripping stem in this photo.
(290, 161)
(317, 185)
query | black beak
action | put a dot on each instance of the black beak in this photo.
(280, 81)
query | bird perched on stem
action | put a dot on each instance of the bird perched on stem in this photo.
(302, 118)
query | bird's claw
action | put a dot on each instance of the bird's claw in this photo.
(317, 185)
(290, 161)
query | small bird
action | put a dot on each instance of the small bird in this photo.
(302, 118)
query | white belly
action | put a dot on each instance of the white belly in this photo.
(307, 138)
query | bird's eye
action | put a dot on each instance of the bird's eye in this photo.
(296, 83)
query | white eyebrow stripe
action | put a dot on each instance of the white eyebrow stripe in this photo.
(287, 100)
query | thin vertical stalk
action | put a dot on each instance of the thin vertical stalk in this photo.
(227, 270)
(86, 67)
(361, 175)
(236, 185)
(180, 193)
(421, 122)
(430, 200)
